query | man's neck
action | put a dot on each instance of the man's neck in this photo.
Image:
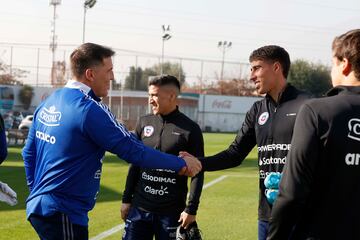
(277, 91)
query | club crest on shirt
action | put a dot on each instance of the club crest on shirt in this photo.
(263, 118)
(148, 131)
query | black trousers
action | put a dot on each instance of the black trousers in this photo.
(58, 227)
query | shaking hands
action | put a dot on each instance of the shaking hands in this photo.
(193, 165)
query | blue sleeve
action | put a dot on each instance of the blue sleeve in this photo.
(101, 126)
(29, 156)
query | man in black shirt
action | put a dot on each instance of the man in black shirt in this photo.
(154, 201)
(268, 124)
(3, 144)
(319, 192)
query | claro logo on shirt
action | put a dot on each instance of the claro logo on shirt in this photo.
(49, 117)
(354, 129)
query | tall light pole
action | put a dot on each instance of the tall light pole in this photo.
(87, 4)
(223, 46)
(53, 43)
(166, 36)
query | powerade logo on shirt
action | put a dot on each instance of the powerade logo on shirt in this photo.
(49, 117)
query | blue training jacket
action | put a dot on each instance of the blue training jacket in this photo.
(63, 154)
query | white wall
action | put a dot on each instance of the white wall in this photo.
(223, 113)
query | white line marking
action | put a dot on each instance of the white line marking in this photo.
(109, 232)
(216, 180)
(121, 226)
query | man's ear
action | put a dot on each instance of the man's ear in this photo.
(89, 74)
(277, 66)
(346, 66)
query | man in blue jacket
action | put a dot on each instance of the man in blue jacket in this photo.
(63, 154)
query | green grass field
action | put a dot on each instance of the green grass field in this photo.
(228, 209)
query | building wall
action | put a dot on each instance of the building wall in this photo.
(219, 113)
(128, 106)
(214, 113)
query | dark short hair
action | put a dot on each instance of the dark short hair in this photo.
(347, 46)
(88, 55)
(273, 53)
(163, 80)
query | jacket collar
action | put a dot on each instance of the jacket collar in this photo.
(170, 115)
(83, 87)
(285, 95)
(343, 90)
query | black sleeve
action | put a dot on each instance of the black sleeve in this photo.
(298, 175)
(238, 150)
(133, 173)
(3, 144)
(196, 148)
(131, 181)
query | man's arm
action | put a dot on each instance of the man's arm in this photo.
(29, 155)
(196, 148)
(3, 145)
(105, 131)
(131, 180)
(238, 150)
(298, 175)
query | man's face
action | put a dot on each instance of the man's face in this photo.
(161, 99)
(263, 75)
(102, 75)
(336, 72)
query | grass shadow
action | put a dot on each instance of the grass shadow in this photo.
(14, 176)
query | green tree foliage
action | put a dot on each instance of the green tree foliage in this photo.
(25, 95)
(313, 78)
(138, 78)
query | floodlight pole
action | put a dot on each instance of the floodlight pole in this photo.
(223, 46)
(166, 36)
(53, 43)
(87, 4)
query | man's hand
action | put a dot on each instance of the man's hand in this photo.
(186, 219)
(7, 194)
(193, 165)
(125, 208)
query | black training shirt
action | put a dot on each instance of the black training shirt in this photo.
(269, 125)
(164, 191)
(320, 187)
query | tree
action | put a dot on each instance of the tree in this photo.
(138, 78)
(25, 95)
(10, 78)
(313, 78)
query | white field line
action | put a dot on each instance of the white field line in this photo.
(121, 226)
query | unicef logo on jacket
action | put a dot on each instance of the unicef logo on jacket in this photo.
(49, 117)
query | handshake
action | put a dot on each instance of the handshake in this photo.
(193, 165)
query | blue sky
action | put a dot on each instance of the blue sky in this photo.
(305, 28)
